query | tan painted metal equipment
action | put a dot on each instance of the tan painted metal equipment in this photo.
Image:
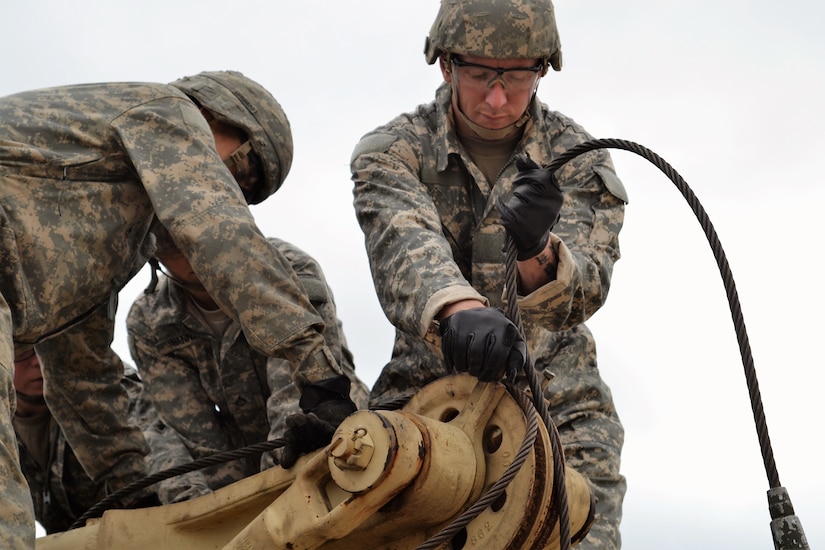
(389, 480)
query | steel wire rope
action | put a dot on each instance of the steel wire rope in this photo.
(497, 488)
(539, 409)
(540, 405)
(513, 312)
(724, 270)
(107, 502)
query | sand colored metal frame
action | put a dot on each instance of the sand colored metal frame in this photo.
(389, 480)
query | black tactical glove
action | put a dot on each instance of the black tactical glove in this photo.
(533, 209)
(145, 502)
(325, 404)
(483, 342)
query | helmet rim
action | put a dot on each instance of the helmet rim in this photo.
(239, 101)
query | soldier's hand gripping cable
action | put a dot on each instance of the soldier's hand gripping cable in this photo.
(531, 212)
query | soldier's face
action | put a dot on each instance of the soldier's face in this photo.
(492, 100)
(178, 266)
(28, 378)
(245, 166)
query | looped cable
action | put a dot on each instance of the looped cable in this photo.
(529, 371)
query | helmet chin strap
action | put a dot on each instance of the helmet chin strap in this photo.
(153, 262)
(193, 287)
(38, 400)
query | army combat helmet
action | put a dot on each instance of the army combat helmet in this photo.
(501, 29)
(239, 101)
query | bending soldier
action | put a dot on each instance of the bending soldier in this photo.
(84, 172)
(213, 392)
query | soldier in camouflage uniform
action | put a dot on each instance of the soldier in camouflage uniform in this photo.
(85, 170)
(213, 392)
(435, 192)
(59, 487)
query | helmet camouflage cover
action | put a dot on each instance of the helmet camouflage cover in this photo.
(239, 101)
(500, 29)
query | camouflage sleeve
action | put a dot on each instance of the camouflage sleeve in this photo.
(141, 410)
(167, 451)
(320, 294)
(403, 232)
(198, 201)
(90, 394)
(191, 426)
(16, 511)
(586, 238)
(283, 401)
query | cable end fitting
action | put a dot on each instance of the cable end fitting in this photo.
(785, 525)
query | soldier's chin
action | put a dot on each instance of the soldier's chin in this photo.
(497, 124)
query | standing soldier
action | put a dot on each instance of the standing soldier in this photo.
(84, 172)
(436, 190)
(212, 391)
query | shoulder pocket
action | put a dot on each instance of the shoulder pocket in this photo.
(612, 182)
(316, 290)
(373, 143)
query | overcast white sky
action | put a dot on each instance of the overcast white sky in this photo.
(728, 91)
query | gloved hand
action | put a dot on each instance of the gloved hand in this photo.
(145, 502)
(483, 342)
(325, 404)
(533, 209)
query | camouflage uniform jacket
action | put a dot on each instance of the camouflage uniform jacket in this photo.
(84, 171)
(429, 218)
(217, 395)
(61, 490)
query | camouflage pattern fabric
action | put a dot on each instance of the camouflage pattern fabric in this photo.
(16, 512)
(83, 171)
(428, 212)
(218, 394)
(61, 491)
(502, 29)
